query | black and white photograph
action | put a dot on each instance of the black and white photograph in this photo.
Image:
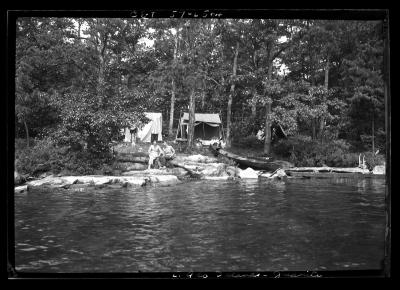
(185, 142)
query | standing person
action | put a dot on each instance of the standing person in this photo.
(154, 152)
(133, 132)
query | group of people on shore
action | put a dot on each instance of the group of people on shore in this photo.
(160, 155)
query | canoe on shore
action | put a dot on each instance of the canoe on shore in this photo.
(255, 163)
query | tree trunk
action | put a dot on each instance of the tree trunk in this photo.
(267, 129)
(172, 109)
(100, 84)
(203, 99)
(326, 86)
(102, 64)
(253, 111)
(230, 99)
(313, 129)
(373, 135)
(173, 91)
(192, 104)
(253, 106)
(27, 134)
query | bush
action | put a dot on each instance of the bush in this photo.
(45, 155)
(249, 142)
(42, 156)
(243, 129)
(303, 151)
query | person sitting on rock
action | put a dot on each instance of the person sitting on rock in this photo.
(154, 153)
(168, 153)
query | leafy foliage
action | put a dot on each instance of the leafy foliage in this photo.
(80, 81)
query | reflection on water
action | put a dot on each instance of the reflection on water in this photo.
(247, 225)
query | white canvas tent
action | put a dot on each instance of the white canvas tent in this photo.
(207, 127)
(154, 127)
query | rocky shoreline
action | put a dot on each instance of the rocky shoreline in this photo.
(203, 167)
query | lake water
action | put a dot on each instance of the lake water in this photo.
(253, 225)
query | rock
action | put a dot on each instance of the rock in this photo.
(41, 168)
(48, 180)
(117, 172)
(18, 178)
(136, 166)
(196, 158)
(379, 169)
(133, 157)
(280, 173)
(129, 166)
(283, 164)
(177, 171)
(266, 175)
(217, 169)
(20, 189)
(134, 180)
(70, 179)
(143, 172)
(226, 177)
(102, 180)
(45, 174)
(165, 179)
(107, 169)
(232, 170)
(248, 173)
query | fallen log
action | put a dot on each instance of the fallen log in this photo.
(132, 158)
(191, 172)
(298, 174)
(329, 169)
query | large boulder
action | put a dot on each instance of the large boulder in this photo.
(177, 171)
(128, 166)
(136, 166)
(280, 173)
(45, 174)
(379, 169)
(18, 178)
(41, 168)
(214, 169)
(48, 180)
(164, 179)
(248, 173)
(198, 158)
(20, 189)
(232, 171)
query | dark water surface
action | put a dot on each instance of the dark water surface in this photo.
(315, 224)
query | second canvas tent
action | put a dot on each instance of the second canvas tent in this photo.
(149, 132)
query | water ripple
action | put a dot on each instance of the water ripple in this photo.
(247, 225)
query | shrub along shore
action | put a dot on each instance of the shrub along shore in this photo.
(45, 164)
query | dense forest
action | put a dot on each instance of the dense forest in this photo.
(79, 81)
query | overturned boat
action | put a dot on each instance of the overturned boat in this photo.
(255, 163)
